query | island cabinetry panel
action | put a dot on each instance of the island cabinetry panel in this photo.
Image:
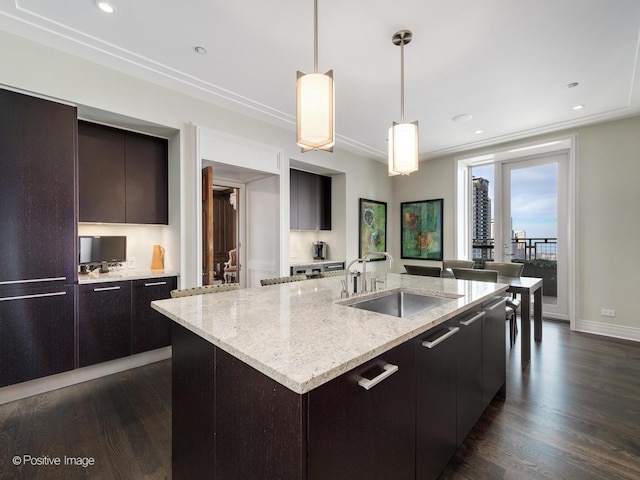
(437, 354)
(104, 322)
(149, 328)
(123, 176)
(359, 433)
(36, 333)
(310, 199)
(469, 372)
(494, 358)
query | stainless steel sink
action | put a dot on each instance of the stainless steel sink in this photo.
(401, 304)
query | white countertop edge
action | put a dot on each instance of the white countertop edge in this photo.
(124, 275)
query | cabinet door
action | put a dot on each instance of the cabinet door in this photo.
(469, 373)
(147, 179)
(37, 189)
(36, 333)
(104, 322)
(358, 433)
(308, 208)
(149, 328)
(293, 200)
(494, 355)
(324, 201)
(437, 352)
(101, 172)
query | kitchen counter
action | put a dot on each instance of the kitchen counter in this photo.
(119, 275)
(302, 334)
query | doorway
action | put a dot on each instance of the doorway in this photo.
(520, 207)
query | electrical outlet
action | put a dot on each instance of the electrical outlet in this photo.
(606, 312)
(294, 254)
(131, 262)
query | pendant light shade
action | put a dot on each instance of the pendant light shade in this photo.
(403, 137)
(315, 113)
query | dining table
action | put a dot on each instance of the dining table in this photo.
(524, 287)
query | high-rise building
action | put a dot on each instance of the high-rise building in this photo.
(482, 223)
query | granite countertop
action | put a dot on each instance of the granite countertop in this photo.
(121, 274)
(301, 334)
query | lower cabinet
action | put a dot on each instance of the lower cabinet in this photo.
(436, 390)
(494, 359)
(469, 403)
(149, 328)
(104, 322)
(116, 320)
(361, 425)
(36, 333)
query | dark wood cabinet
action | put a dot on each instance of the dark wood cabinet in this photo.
(104, 322)
(123, 176)
(494, 359)
(147, 179)
(436, 392)
(469, 373)
(37, 189)
(359, 433)
(102, 171)
(36, 333)
(310, 199)
(149, 328)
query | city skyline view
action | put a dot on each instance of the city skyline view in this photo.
(534, 203)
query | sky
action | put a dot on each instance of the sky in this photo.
(533, 198)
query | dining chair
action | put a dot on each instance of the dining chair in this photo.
(187, 292)
(506, 269)
(425, 271)
(273, 281)
(449, 264)
(231, 266)
(490, 276)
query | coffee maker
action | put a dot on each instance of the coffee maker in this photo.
(319, 251)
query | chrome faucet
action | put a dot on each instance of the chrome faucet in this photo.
(364, 260)
(364, 266)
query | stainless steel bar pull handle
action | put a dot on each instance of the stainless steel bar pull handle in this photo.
(369, 384)
(153, 284)
(34, 280)
(105, 289)
(497, 304)
(469, 321)
(452, 331)
(38, 295)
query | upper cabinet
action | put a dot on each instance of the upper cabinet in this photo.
(123, 176)
(310, 200)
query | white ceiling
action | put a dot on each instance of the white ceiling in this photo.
(505, 62)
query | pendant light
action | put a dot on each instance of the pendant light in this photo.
(403, 137)
(315, 103)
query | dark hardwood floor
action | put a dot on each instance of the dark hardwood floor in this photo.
(574, 413)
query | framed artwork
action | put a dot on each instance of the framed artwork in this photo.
(421, 229)
(373, 228)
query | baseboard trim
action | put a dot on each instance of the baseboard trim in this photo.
(66, 379)
(616, 331)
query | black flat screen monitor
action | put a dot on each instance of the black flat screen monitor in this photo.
(95, 250)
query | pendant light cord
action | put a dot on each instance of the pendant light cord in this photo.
(401, 79)
(315, 36)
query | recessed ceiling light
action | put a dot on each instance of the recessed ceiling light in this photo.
(572, 84)
(478, 132)
(200, 50)
(106, 7)
(578, 107)
(463, 117)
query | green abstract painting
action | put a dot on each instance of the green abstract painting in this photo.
(373, 228)
(421, 229)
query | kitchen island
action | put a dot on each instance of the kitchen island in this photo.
(282, 381)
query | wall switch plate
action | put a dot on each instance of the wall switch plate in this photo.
(294, 254)
(605, 312)
(131, 262)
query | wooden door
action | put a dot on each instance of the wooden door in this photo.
(208, 272)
